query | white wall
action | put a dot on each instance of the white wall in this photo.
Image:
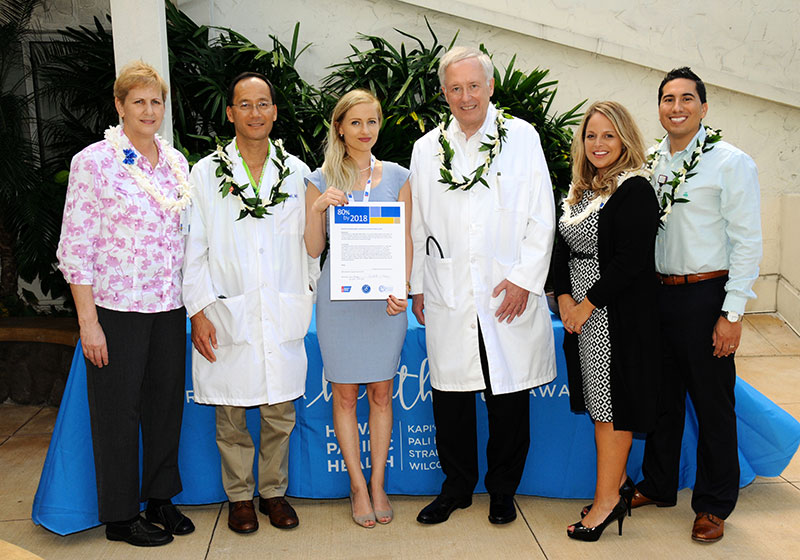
(748, 45)
(58, 14)
(788, 296)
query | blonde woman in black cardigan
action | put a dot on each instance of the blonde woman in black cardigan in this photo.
(605, 281)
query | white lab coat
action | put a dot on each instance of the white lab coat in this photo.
(252, 279)
(486, 235)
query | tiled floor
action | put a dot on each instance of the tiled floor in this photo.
(764, 525)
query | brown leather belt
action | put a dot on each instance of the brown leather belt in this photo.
(678, 279)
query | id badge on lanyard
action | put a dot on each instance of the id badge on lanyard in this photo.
(186, 218)
(368, 186)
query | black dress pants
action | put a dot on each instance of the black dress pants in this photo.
(141, 385)
(457, 438)
(688, 315)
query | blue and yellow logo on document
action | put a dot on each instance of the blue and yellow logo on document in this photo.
(367, 215)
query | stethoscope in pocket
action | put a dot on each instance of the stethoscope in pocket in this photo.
(428, 246)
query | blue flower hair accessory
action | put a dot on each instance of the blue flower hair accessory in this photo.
(130, 156)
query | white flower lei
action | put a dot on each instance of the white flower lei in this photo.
(598, 201)
(252, 206)
(666, 198)
(492, 148)
(113, 136)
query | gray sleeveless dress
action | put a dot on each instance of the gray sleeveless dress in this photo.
(359, 341)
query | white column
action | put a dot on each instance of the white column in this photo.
(140, 33)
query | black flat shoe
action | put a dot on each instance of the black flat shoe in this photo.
(439, 510)
(170, 518)
(501, 509)
(591, 534)
(626, 492)
(138, 533)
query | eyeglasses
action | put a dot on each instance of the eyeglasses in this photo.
(261, 106)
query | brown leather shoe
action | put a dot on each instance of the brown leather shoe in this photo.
(242, 517)
(707, 527)
(281, 513)
(640, 500)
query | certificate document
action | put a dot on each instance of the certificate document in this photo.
(368, 250)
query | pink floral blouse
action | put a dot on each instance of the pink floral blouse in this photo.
(116, 238)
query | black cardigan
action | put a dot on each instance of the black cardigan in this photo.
(627, 228)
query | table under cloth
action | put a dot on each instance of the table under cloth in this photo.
(561, 461)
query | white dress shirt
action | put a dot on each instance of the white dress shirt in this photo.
(720, 227)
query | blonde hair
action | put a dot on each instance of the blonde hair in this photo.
(457, 54)
(339, 169)
(136, 74)
(584, 174)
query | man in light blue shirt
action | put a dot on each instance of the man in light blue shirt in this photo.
(707, 256)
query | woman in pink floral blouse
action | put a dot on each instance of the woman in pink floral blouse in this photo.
(121, 251)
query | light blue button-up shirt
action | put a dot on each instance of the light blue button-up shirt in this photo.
(720, 227)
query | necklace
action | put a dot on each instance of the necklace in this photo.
(598, 201)
(252, 206)
(369, 182)
(446, 154)
(666, 196)
(127, 156)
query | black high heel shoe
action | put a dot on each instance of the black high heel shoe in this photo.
(626, 492)
(592, 534)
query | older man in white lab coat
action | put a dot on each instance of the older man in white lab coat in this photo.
(246, 289)
(482, 226)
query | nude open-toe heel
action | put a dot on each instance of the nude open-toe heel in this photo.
(362, 520)
(388, 513)
(380, 514)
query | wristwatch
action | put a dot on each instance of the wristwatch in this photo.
(732, 316)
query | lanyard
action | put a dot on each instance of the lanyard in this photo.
(368, 185)
(256, 186)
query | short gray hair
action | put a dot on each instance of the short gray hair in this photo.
(457, 54)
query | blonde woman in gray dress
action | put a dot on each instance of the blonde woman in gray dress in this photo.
(360, 341)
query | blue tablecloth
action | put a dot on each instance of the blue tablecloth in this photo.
(561, 462)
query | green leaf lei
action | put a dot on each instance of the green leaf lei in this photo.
(446, 154)
(252, 206)
(666, 196)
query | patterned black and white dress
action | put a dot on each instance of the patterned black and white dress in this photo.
(594, 342)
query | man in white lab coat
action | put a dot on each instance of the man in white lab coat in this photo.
(482, 226)
(246, 289)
